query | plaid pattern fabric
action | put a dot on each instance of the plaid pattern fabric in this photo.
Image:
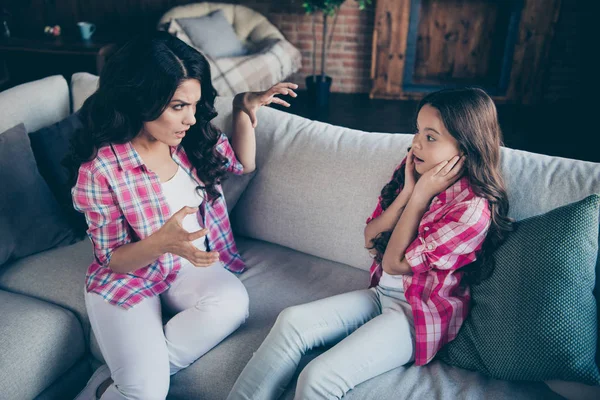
(271, 60)
(275, 60)
(124, 203)
(449, 235)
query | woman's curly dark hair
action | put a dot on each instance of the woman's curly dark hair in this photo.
(470, 116)
(136, 85)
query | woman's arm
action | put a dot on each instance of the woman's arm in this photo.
(245, 106)
(170, 238)
(243, 140)
(133, 256)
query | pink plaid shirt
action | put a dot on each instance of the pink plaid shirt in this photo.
(449, 235)
(123, 202)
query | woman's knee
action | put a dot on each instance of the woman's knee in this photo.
(142, 386)
(236, 302)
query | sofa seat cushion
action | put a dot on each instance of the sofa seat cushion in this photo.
(279, 277)
(39, 342)
(56, 276)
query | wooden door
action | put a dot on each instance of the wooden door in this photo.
(420, 46)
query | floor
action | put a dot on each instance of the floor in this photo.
(555, 129)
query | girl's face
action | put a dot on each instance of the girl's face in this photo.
(432, 142)
(176, 119)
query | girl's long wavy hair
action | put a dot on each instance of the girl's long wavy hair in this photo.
(470, 116)
(136, 85)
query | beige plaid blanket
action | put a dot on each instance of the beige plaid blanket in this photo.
(270, 63)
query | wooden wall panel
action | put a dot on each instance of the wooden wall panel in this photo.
(460, 40)
(463, 42)
(532, 50)
(389, 45)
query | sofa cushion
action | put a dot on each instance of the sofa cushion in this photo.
(38, 342)
(279, 277)
(56, 276)
(37, 104)
(83, 85)
(30, 218)
(213, 35)
(535, 317)
(176, 30)
(50, 146)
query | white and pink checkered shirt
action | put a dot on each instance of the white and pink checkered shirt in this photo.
(449, 235)
(123, 202)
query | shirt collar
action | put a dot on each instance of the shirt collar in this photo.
(129, 159)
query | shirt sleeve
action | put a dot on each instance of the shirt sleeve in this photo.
(107, 227)
(452, 241)
(224, 147)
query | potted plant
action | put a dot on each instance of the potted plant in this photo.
(318, 86)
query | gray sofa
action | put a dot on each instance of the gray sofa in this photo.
(299, 223)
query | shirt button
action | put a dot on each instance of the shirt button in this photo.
(430, 246)
(426, 228)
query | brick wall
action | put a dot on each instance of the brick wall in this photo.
(348, 58)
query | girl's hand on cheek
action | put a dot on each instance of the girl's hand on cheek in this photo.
(409, 174)
(439, 178)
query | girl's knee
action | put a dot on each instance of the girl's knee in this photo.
(317, 380)
(292, 317)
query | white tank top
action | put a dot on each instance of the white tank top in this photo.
(181, 191)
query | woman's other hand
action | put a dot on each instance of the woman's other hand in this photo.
(173, 238)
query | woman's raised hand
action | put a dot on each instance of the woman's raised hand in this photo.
(439, 178)
(173, 238)
(249, 102)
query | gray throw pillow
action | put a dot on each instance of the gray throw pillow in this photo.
(30, 218)
(50, 146)
(213, 35)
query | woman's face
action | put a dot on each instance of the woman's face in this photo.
(432, 142)
(170, 127)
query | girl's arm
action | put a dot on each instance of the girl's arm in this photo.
(387, 220)
(245, 106)
(404, 233)
(428, 186)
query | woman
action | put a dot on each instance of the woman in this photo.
(148, 166)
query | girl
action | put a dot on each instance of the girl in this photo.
(444, 208)
(148, 170)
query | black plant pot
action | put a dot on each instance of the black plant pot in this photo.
(317, 91)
